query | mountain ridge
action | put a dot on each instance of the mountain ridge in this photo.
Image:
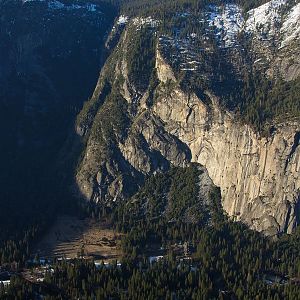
(165, 125)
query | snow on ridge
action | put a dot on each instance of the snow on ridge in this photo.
(228, 21)
(55, 4)
(291, 26)
(182, 52)
(265, 17)
(140, 21)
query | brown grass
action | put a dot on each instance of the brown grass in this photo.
(70, 236)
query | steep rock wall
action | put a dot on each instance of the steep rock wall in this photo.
(258, 176)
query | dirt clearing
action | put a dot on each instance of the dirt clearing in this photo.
(71, 237)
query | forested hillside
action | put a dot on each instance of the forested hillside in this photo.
(216, 86)
(167, 8)
(166, 257)
(230, 68)
(188, 148)
(50, 59)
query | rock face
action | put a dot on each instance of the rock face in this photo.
(258, 176)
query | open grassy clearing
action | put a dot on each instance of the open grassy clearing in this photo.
(71, 237)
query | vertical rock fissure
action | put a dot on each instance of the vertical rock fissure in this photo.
(293, 149)
(288, 216)
(297, 210)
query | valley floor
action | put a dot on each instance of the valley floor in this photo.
(71, 237)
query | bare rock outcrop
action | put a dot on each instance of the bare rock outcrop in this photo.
(129, 138)
(258, 176)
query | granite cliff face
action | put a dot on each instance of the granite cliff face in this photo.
(258, 176)
(132, 133)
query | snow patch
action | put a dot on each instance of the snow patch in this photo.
(154, 259)
(91, 7)
(122, 20)
(5, 283)
(139, 21)
(24, 1)
(182, 52)
(56, 5)
(227, 20)
(265, 19)
(291, 26)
